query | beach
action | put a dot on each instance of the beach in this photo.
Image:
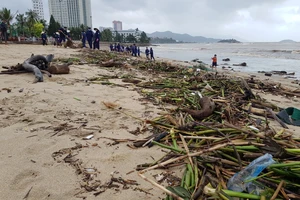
(40, 121)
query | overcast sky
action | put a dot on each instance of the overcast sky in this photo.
(252, 20)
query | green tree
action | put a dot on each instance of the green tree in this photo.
(75, 33)
(53, 26)
(119, 37)
(37, 29)
(21, 21)
(5, 14)
(32, 17)
(44, 22)
(106, 35)
(144, 38)
(130, 38)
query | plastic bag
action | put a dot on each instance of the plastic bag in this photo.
(239, 182)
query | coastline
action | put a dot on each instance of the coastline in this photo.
(29, 120)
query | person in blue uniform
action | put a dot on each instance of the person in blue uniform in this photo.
(62, 35)
(151, 54)
(111, 46)
(147, 52)
(96, 39)
(138, 52)
(56, 38)
(3, 29)
(68, 34)
(83, 39)
(44, 38)
(89, 36)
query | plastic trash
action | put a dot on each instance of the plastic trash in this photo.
(239, 182)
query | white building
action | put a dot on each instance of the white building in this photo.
(125, 33)
(117, 25)
(71, 13)
(38, 8)
(101, 28)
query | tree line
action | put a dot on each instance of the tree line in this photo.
(29, 25)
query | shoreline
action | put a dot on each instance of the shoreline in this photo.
(45, 119)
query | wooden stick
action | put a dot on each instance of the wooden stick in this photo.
(187, 150)
(217, 169)
(284, 194)
(195, 154)
(160, 187)
(277, 190)
(277, 119)
(201, 137)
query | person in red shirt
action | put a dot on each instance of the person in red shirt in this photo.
(214, 61)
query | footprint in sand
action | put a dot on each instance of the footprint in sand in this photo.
(25, 179)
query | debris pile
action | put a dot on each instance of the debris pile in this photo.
(216, 128)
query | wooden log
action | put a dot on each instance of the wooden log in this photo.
(59, 69)
(207, 108)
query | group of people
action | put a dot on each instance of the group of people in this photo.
(60, 36)
(134, 50)
(93, 38)
(149, 52)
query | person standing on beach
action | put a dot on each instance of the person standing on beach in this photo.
(214, 61)
(89, 36)
(83, 38)
(138, 52)
(97, 39)
(3, 29)
(44, 38)
(56, 38)
(62, 35)
(151, 54)
(147, 52)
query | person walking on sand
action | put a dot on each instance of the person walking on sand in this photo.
(151, 54)
(97, 39)
(138, 52)
(214, 61)
(44, 38)
(147, 52)
(89, 36)
(83, 39)
(3, 29)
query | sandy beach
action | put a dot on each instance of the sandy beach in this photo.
(40, 121)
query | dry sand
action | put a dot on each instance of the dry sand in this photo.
(28, 119)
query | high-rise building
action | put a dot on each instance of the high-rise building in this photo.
(38, 8)
(71, 13)
(117, 25)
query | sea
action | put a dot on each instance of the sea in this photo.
(259, 56)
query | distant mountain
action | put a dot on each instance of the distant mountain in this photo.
(229, 41)
(181, 37)
(287, 41)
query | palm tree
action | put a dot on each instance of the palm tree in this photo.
(32, 18)
(5, 14)
(21, 20)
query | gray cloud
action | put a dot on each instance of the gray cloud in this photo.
(255, 20)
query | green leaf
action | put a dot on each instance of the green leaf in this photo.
(180, 191)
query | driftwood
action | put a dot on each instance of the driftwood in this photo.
(243, 64)
(33, 68)
(276, 118)
(207, 108)
(111, 63)
(59, 69)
